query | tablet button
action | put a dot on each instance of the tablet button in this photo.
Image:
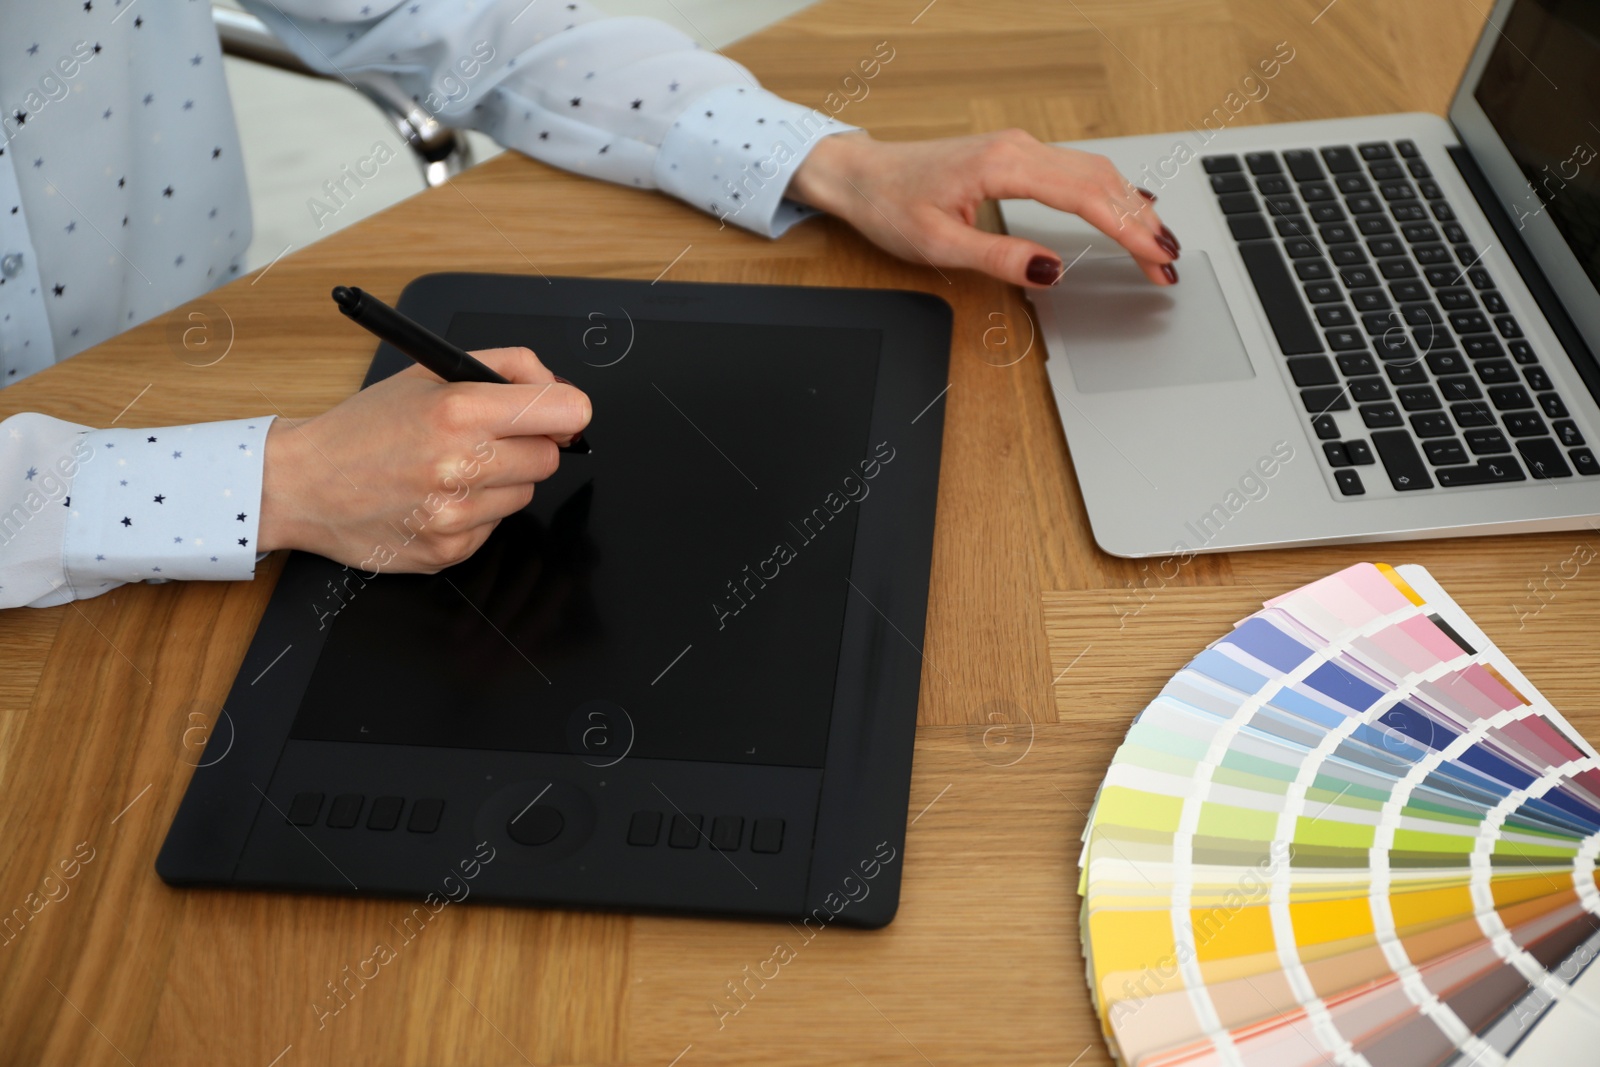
(766, 835)
(425, 816)
(726, 832)
(536, 824)
(304, 810)
(385, 813)
(346, 810)
(645, 829)
(685, 831)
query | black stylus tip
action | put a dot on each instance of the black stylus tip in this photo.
(345, 297)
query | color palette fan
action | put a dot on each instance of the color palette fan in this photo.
(1349, 832)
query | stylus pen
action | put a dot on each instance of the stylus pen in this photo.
(448, 361)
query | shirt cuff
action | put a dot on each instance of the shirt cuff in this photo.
(170, 502)
(733, 152)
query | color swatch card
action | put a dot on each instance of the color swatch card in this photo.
(1349, 832)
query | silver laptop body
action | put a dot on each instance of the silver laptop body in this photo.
(1190, 428)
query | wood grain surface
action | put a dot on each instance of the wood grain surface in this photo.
(1039, 647)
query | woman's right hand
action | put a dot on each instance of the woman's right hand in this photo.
(413, 474)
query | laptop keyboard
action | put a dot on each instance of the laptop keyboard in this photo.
(1382, 309)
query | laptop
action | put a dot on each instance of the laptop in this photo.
(1385, 327)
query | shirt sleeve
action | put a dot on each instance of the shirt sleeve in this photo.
(87, 510)
(629, 100)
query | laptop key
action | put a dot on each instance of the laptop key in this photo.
(1386, 172)
(1263, 163)
(1583, 461)
(1355, 364)
(1431, 255)
(1567, 430)
(1494, 303)
(1419, 169)
(1482, 346)
(1373, 150)
(1448, 363)
(1522, 352)
(1442, 277)
(1335, 454)
(1311, 192)
(1379, 323)
(1420, 233)
(1348, 255)
(1432, 426)
(1417, 398)
(1341, 160)
(1325, 398)
(1346, 340)
(1408, 292)
(1323, 293)
(1384, 247)
(1373, 225)
(1507, 325)
(1313, 270)
(1238, 203)
(1407, 149)
(1407, 373)
(1219, 164)
(1445, 453)
(1510, 397)
(1480, 279)
(1349, 482)
(1420, 314)
(1328, 212)
(1366, 390)
(1466, 255)
(1524, 424)
(1312, 370)
(1301, 248)
(1487, 472)
(1496, 371)
(1269, 273)
(1487, 442)
(1368, 204)
(1229, 183)
(1283, 205)
(1454, 233)
(1377, 416)
(1278, 186)
(1443, 211)
(1326, 427)
(1396, 269)
(1544, 459)
(1292, 226)
(1360, 455)
(1401, 460)
(1472, 413)
(1338, 315)
(1395, 345)
(1459, 388)
(1407, 211)
(1455, 299)
(1469, 322)
(1303, 165)
(1538, 380)
(1353, 183)
(1249, 227)
(1371, 300)
(1358, 277)
(1337, 233)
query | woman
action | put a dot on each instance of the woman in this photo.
(122, 196)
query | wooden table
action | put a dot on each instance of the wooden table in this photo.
(1039, 648)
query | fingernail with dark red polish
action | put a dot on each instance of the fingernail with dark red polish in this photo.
(1147, 194)
(1169, 235)
(1167, 245)
(1044, 270)
(1170, 272)
(560, 379)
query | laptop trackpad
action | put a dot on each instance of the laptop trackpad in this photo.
(1123, 332)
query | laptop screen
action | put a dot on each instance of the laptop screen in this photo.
(1541, 91)
(1528, 112)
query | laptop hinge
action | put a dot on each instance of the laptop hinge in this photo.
(1522, 258)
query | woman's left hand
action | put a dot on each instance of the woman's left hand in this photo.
(919, 200)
